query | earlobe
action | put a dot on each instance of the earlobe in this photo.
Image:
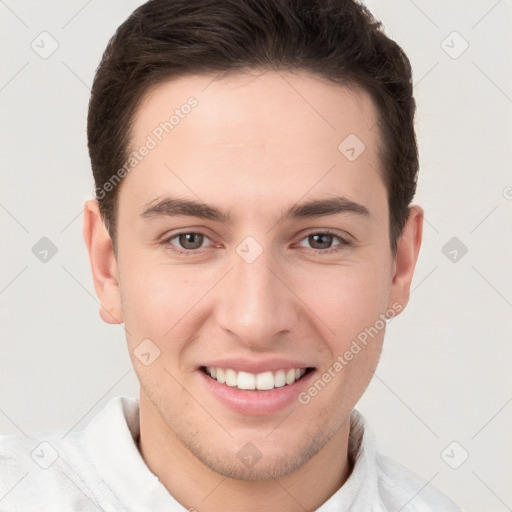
(408, 249)
(103, 263)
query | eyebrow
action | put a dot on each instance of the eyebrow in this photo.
(172, 207)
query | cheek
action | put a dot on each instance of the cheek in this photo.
(346, 298)
(154, 299)
(155, 306)
(162, 301)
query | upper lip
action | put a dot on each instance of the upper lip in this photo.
(256, 366)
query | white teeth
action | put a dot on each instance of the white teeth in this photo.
(231, 378)
(246, 380)
(290, 376)
(221, 376)
(262, 381)
(265, 381)
(279, 378)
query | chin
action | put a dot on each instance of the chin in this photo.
(265, 468)
(261, 460)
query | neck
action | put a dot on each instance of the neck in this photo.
(199, 488)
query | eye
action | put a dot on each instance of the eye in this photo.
(189, 241)
(321, 242)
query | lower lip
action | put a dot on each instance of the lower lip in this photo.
(256, 403)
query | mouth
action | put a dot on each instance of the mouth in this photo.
(264, 381)
(255, 387)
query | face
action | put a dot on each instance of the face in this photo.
(253, 248)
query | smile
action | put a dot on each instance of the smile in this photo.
(263, 381)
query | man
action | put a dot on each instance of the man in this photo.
(254, 162)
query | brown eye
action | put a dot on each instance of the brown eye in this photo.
(321, 242)
(190, 240)
(186, 243)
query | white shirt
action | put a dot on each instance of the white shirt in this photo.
(101, 468)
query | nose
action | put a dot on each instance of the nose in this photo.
(255, 304)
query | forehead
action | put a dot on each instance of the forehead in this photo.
(256, 99)
(248, 131)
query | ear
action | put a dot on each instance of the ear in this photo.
(408, 248)
(103, 263)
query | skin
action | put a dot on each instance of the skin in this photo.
(256, 144)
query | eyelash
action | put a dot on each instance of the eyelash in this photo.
(183, 252)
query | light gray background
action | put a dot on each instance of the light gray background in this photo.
(444, 374)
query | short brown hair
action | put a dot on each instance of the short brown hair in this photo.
(335, 39)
